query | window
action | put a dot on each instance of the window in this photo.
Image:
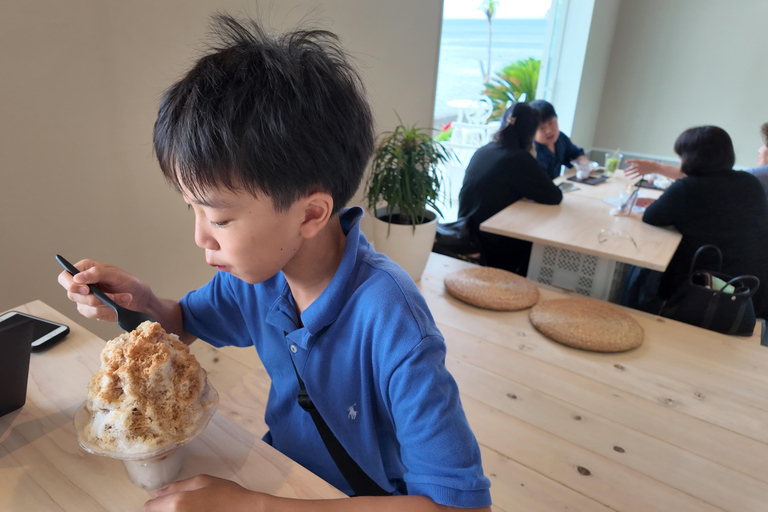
(468, 52)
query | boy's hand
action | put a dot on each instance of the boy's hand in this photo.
(205, 493)
(121, 286)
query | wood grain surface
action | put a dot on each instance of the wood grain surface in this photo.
(576, 224)
(43, 468)
(678, 424)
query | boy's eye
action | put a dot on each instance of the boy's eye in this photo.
(220, 224)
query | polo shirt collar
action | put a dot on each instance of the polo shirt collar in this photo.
(324, 310)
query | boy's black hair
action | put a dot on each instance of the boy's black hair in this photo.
(545, 109)
(278, 116)
(518, 126)
(705, 150)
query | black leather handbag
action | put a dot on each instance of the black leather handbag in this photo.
(713, 300)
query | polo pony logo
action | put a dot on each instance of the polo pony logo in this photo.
(351, 412)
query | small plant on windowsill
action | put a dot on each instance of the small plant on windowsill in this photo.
(406, 175)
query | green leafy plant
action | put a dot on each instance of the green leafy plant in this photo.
(511, 82)
(406, 174)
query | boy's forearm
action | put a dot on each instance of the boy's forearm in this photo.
(168, 313)
(361, 504)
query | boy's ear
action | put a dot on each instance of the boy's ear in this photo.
(318, 209)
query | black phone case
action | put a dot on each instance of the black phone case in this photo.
(15, 347)
(590, 180)
(51, 342)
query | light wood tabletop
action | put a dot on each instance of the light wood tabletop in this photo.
(678, 424)
(611, 187)
(584, 224)
(43, 468)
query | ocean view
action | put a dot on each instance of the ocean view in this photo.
(464, 44)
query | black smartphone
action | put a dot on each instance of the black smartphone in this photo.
(45, 333)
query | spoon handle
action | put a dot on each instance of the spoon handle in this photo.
(94, 289)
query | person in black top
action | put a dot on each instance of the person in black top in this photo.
(499, 174)
(714, 204)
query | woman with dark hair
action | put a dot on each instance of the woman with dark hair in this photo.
(499, 174)
(713, 204)
(641, 167)
(553, 148)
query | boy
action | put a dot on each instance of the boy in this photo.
(266, 139)
(553, 148)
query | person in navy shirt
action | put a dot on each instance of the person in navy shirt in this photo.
(267, 138)
(553, 148)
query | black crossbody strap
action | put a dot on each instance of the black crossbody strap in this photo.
(358, 480)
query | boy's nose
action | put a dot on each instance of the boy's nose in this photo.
(203, 237)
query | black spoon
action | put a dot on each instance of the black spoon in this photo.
(127, 319)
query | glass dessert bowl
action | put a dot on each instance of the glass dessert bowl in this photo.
(152, 469)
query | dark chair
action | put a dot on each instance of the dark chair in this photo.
(454, 239)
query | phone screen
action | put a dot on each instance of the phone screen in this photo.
(41, 329)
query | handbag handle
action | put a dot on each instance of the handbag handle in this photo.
(698, 253)
(750, 289)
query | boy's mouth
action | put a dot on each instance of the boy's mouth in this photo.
(219, 267)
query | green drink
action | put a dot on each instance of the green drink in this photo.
(612, 161)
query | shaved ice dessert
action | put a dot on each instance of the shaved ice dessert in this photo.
(150, 396)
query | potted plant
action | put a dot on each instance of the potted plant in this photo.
(402, 191)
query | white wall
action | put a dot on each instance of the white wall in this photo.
(681, 63)
(596, 59)
(569, 65)
(580, 65)
(79, 90)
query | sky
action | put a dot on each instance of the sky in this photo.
(506, 9)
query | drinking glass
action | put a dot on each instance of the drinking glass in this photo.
(612, 162)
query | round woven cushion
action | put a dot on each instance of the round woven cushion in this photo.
(587, 324)
(492, 288)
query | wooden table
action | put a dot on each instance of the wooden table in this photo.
(611, 187)
(42, 467)
(679, 424)
(576, 224)
(583, 225)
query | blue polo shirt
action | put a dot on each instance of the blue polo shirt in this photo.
(373, 362)
(565, 151)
